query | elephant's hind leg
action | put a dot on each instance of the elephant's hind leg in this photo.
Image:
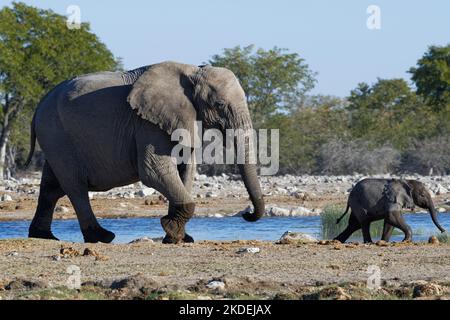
(387, 231)
(50, 192)
(353, 225)
(74, 181)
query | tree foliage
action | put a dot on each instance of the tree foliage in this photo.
(432, 76)
(274, 79)
(37, 51)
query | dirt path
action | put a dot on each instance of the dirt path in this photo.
(37, 269)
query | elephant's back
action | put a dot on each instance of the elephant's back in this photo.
(368, 192)
(93, 115)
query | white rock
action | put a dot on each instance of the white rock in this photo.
(210, 194)
(56, 258)
(279, 212)
(442, 210)
(145, 192)
(216, 285)
(290, 236)
(201, 177)
(142, 239)
(6, 197)
(215, 215)
(128, 195)
(439, 190)
(61, 209)
(302, 211)
(249, 250)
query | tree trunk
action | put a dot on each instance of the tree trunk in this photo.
(10, 111)
(4, 138)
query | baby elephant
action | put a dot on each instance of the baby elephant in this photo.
(376, 199)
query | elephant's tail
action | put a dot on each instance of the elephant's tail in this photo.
(32, 143)
(343, 215)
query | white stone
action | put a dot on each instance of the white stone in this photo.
(290, 236)
(301, 211)
(210, 194)
(145, 192)
(252, 250)
(279, 212)
(142, 239)
(6, 197)
(439, 190)
(61, 209)
(215, 215)
(12, 254)
(216, 285)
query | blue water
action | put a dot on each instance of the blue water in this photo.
(214, 228)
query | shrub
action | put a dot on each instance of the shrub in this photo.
(346, 157)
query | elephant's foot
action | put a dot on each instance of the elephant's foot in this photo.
(41, 234)
(187, 239)
(174, 229)
(174, 223)
(97, 234)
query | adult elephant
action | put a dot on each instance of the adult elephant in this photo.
(110, 129)
(374, 199)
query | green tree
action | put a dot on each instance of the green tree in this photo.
(389, 112)
(319, 119)
(432, 76)
(37, 51)
(273, 80)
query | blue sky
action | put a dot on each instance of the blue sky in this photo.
(331, 36)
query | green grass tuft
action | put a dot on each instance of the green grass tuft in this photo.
(443, 237)
(330, 229)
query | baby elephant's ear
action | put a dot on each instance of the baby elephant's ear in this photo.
(163, 96)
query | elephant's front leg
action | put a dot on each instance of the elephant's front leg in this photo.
(174, 223)
(396, 219)
(186, 173)
(159, 172)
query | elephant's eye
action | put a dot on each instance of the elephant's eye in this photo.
(221, 103)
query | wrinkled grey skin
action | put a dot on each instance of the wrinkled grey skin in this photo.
(110, 129)
(376, 199)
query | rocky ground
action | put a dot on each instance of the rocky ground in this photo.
(41, 269)
(215, 196)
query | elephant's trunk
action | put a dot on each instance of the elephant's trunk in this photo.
(248, 172)
(247, 168)
(434, 218)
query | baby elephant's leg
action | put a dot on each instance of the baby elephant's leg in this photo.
(353, 225)
(396, 220)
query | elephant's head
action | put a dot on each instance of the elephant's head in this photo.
(422, 198)
(399, 194)
(173, 96)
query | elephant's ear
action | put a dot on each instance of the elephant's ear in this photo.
(163, 96)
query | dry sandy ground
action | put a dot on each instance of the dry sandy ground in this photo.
(37, 269)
